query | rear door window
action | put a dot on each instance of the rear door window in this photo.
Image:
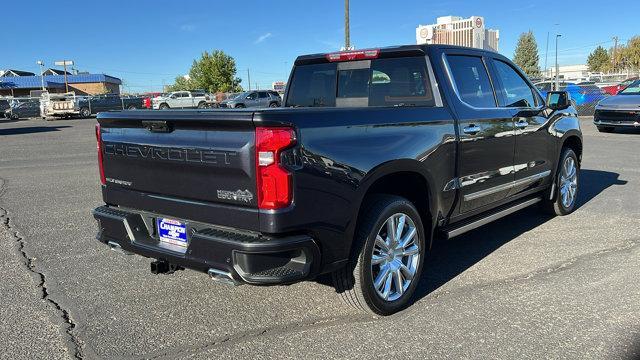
(472, 80)
(379, 82)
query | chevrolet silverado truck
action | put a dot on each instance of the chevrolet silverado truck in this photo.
(374, 154)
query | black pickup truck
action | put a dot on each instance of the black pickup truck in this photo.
(92, 105)
(374, 154)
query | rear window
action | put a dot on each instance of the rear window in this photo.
(379, 82)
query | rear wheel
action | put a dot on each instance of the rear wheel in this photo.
(387, 258)
(273, 105)
(202, 105)
(132, 107)
(565, 190)
(605, 129)
(85, 112)
(240, 106)
(14, 116)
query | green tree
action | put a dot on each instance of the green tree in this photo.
(628, 57)
(213, 72)
(526, 54)
(181, 83)
(599, 60)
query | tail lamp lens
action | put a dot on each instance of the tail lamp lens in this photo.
(103, 180)
(273, 181)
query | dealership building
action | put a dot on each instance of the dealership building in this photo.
(21, 83)
(454, 30)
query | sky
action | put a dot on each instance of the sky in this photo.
(148, 43)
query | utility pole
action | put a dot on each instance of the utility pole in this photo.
(557, 67)
(249, 79)
(65, 63)
(546, 57)
(347, 35)
(41, 63)
(615, 51)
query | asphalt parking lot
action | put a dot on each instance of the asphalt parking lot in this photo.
(526, 287)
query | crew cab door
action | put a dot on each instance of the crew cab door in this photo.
(486, 133)
(534, 145)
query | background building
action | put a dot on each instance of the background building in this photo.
(81, 84)
(454, 30)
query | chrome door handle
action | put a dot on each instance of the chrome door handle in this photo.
(522, 124)
(472, 129)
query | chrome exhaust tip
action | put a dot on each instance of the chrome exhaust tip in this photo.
(223, 277)
(117, 248)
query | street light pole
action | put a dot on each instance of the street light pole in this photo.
(347, 35)
(557, 67)
(41, 63)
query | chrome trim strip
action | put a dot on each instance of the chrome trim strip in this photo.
(628, 123)
(476, 224)
(504, 187)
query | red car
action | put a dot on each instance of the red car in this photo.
(615, 89)
(147, 99)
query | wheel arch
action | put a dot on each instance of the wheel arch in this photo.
(405, 178)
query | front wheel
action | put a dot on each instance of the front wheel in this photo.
(164, 106)
(565, 191)
(386, 262)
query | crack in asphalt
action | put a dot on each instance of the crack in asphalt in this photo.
(29, 264)
(317, 323)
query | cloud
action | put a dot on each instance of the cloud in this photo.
(187, 27)
(262, 38)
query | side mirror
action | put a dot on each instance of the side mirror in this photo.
(558, 100)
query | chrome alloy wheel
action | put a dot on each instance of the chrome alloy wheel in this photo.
(395, 257)
(568, 182)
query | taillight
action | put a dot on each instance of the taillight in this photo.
(353, 55)
(273, 181)
(103, 180)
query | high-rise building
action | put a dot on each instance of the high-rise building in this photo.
(454, 30)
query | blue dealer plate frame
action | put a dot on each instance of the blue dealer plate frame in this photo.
(173, 233)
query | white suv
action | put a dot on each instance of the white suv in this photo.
(182, 100)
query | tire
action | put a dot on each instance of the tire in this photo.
(274, 105)
(164, 106)
(202, 105)
(605, 129)
(355, 282)
(15, 117)
(559, 205)
(239, 106)
(132, 107)
(85, 112)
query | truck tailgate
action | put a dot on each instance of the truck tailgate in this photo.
(201, 156)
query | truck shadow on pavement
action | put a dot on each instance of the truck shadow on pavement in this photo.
(448, 259)
(30, 130)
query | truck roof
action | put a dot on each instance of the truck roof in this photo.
(390, 51)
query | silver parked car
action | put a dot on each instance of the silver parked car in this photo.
(620, 111)
(253, 99)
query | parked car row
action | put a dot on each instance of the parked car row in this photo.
(619, 111)
(586, 95)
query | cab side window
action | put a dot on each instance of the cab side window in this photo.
(515, 89)
(472, 81)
